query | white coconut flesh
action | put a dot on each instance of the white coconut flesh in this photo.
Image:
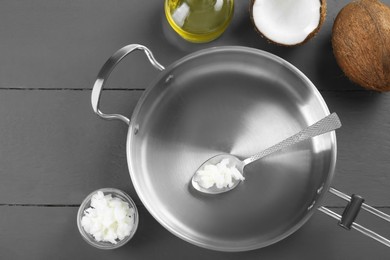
(287, 22)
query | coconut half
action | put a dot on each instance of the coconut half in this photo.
(288, 22)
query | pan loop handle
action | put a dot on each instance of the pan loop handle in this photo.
(105, 72)
(355, 203)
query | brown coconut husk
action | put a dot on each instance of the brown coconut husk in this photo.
(311, 35)
(361, 43)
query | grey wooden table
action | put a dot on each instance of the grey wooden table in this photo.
(54, 150)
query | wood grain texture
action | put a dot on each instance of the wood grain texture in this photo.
(52, 142)
(51, 233)
(62, 44)
(55, 150)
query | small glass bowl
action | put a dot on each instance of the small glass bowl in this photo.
(87, 203)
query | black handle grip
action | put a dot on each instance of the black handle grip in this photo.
(351, 211)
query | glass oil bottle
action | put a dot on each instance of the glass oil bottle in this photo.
(199, 20)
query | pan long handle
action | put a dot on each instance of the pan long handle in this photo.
(105, 72)
(355, 203)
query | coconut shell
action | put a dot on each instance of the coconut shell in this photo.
(311, 35)
(361, 43)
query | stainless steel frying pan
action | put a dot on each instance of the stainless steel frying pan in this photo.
(229, 100)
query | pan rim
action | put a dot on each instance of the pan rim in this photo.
(149, 205)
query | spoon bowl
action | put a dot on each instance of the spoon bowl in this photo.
(233, 162)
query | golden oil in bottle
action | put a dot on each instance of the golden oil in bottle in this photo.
(199, 20)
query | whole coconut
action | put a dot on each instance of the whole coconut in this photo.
(361, 43)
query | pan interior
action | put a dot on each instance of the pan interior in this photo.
(237, 101)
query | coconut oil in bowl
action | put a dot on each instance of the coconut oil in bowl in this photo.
(199, 20)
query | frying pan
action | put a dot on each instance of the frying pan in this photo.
(234, 100)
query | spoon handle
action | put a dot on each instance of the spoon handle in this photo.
(327, 124)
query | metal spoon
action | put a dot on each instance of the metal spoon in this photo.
(327, 124)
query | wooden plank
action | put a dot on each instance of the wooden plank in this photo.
(57, 44)
(51, 233)
(55, 150)
(363, 145)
